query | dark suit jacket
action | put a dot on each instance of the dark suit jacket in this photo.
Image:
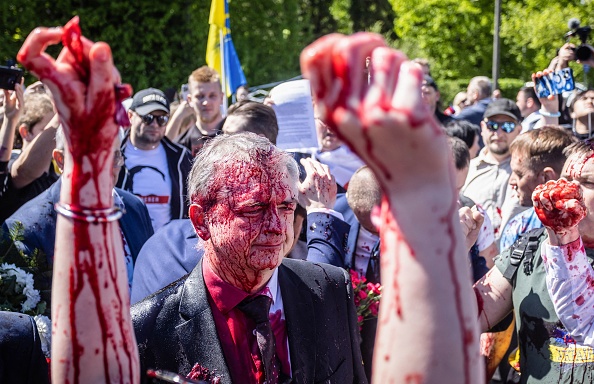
(38, 217)
(21, 358)
(175, 327)
(369, 328)
(345, 259)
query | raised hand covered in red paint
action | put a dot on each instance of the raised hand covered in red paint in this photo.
(370, 95)
(84, 82)
(559, 204)
(93, 339)
(370, 108)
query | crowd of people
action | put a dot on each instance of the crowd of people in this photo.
(237, 256)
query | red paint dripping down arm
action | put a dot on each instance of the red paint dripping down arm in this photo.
(427, 290)
(93, 339)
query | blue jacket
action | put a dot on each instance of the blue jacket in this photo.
(38, 217)
(475, 112)
(21, 358)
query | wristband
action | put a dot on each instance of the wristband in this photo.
(88, 215)
(549, 114)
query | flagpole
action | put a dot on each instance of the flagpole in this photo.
(223, 71)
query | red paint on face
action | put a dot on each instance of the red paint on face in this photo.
(550, 204)
(251, 222)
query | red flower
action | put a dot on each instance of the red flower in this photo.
(366, 297)
(362, 294)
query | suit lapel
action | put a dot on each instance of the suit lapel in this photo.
(198, 334)
(300, 322)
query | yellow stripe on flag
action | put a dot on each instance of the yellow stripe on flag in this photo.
(213, 45)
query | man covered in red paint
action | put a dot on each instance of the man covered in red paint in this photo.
(246, 225)
(570, 276)
(243, 193)
(548, 352)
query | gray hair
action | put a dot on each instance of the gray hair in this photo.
(225, 150)
(481, 84)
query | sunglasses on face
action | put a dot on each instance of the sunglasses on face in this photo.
(149, 118)
(506, 127)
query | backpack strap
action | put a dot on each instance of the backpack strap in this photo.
(523, 249)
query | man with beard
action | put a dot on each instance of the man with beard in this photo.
(155, 169)
(205, 97)
(488, 175)
(537, 156)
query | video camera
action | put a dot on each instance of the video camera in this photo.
(582, 53)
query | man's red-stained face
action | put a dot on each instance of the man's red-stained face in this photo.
(250, 226)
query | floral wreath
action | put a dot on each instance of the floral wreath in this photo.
(19, 277)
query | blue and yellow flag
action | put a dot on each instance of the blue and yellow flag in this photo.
(219, 22)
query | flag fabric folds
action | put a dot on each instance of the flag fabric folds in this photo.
(232, 76)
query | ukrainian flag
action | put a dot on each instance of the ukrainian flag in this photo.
(220, 28)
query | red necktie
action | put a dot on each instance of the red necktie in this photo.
(257, 308)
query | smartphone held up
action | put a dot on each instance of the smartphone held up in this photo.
(555, 83)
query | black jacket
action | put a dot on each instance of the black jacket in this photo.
(175, 327)
(21, 358)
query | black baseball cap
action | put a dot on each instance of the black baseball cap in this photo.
(428, 81)
(505, 107)
(149, 100)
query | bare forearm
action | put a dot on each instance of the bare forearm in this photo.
(90, 280)
(35, 159)
(7, 137)
(427, 280)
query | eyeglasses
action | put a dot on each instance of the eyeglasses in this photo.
(149, 118)
(506, 127)
(118, 159)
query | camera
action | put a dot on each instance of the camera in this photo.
(582, 53)
(9, 77)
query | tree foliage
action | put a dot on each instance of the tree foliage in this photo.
(159, 43)
(457, 35)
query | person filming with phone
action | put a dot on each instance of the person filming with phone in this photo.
(576, 110)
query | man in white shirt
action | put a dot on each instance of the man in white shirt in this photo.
(489, 173)
(155, 169)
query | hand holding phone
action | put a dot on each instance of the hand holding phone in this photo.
(9, 77)
(554, 83)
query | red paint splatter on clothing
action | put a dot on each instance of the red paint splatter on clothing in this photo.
(579, 301)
